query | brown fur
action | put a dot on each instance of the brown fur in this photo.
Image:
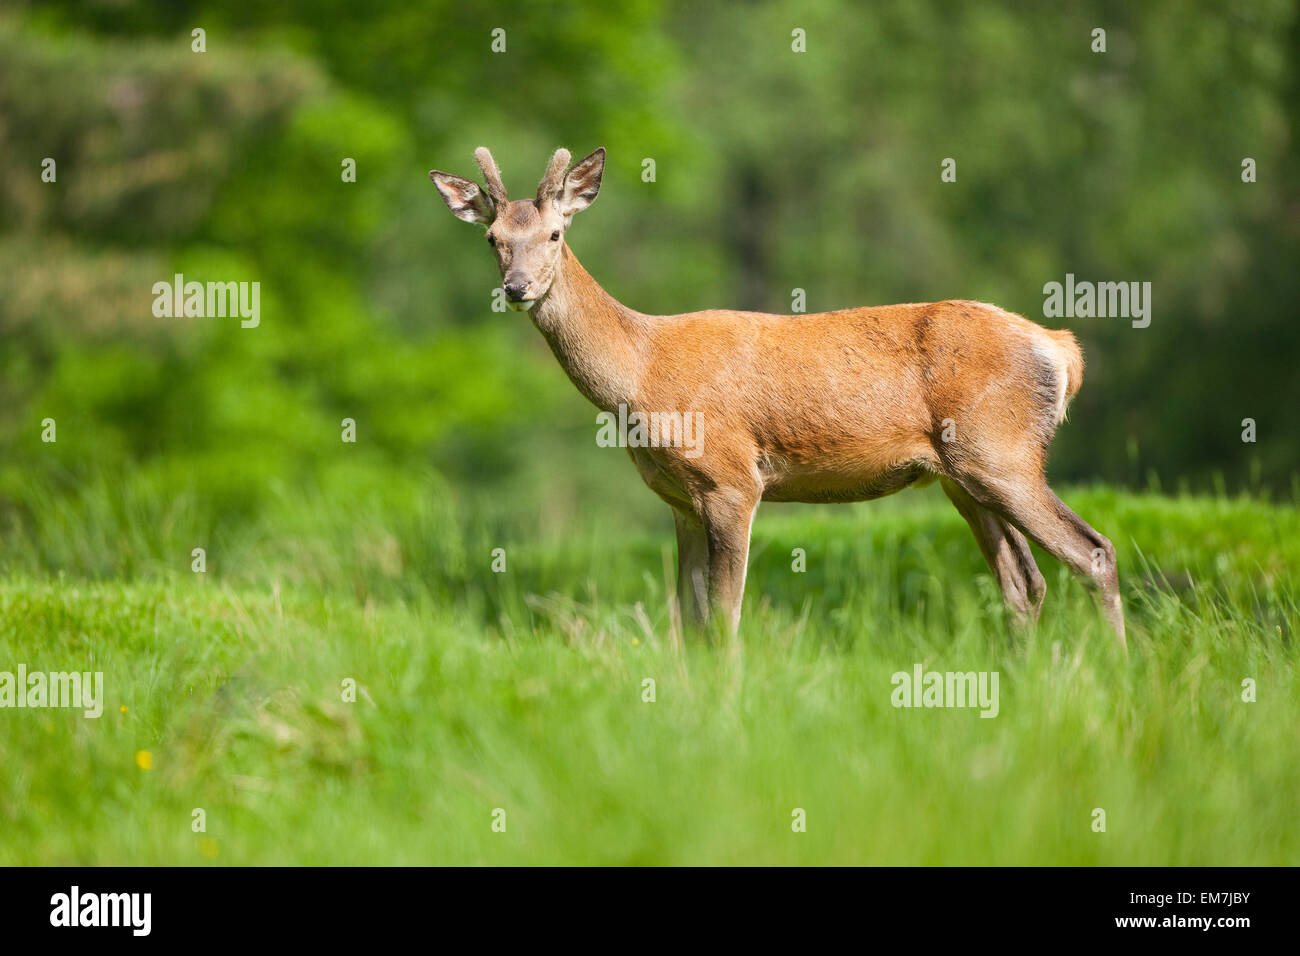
(829, 407)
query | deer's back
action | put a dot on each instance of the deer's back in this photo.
(849, 405)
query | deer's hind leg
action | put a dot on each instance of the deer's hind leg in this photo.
(1035, 509)
(1007, 553)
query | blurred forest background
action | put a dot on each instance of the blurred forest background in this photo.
(774, 170)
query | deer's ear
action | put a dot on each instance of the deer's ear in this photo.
(464, 197)
(582, 184)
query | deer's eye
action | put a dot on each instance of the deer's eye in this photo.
(555, 235)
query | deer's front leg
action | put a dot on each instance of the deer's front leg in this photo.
(728, 516)
(692, 569)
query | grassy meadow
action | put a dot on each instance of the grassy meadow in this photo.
(523, 691)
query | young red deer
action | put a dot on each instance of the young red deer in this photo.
(837, 406)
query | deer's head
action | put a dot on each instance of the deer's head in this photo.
(526, 235)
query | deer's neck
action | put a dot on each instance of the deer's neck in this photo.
(596, 338)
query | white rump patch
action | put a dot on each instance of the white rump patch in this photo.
(1055, 357)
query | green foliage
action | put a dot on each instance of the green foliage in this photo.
(775, 170)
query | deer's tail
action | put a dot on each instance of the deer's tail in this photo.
(1068, 359)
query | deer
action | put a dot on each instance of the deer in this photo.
(841, 406)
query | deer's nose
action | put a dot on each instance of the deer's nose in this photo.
(515, 287)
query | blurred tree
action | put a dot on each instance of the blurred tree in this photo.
(775, 168)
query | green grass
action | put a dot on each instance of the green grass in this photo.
(523, 691)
